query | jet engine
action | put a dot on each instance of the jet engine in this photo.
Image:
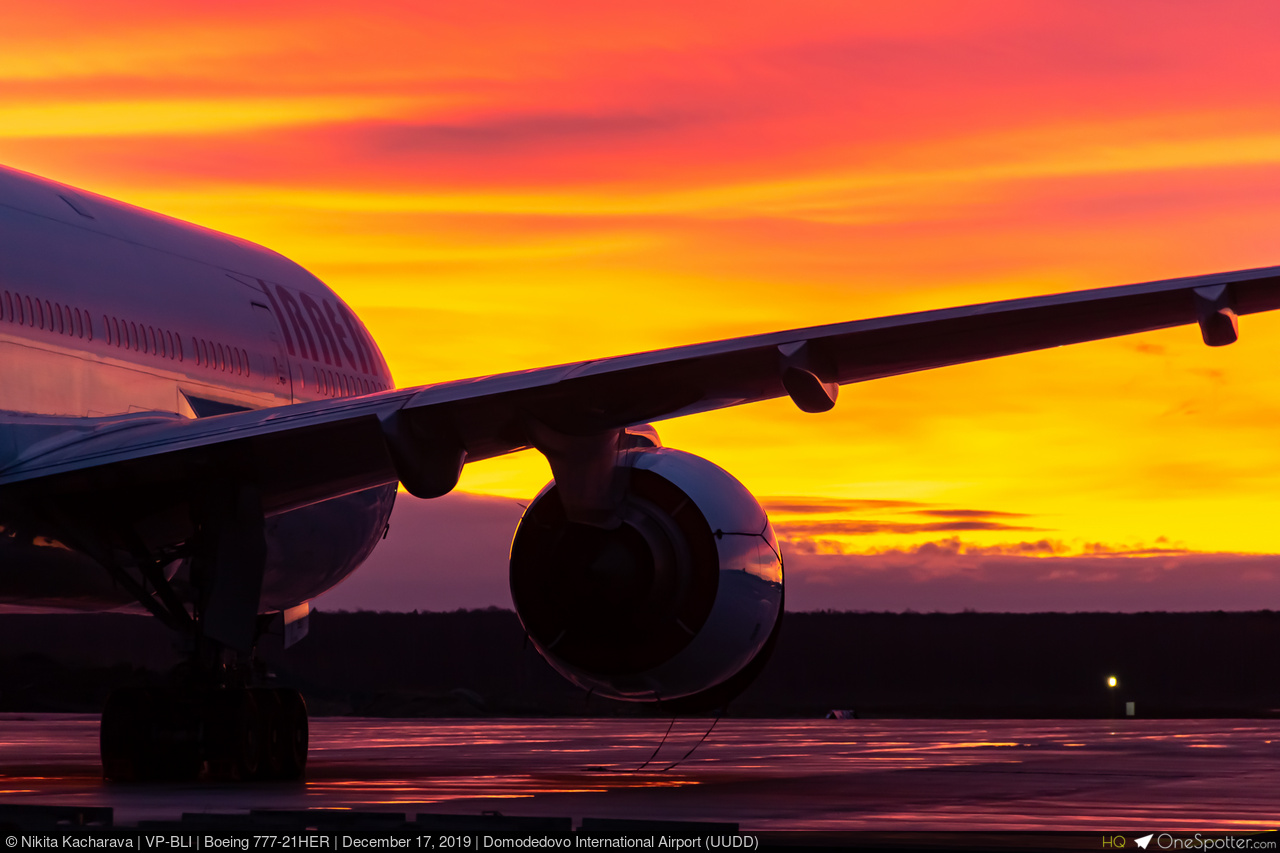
(678, 603)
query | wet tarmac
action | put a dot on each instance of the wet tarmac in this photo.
(1110, 775)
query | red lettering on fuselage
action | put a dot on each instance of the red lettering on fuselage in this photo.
(341, 335)
(364, 347)
(275, 309)
(323, 332)
(306, 343)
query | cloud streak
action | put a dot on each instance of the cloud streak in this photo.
(451, 553)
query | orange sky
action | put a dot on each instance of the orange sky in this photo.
(496, 186)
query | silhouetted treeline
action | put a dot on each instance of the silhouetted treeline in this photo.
(876, 664)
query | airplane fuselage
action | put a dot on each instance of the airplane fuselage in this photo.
(108, 310)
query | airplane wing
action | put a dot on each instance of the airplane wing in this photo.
(307, 452)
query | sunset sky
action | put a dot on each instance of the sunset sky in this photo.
(496, 186)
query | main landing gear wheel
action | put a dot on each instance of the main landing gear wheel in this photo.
(294, 734)
(282, 728)
(169, 735)
(150, 734)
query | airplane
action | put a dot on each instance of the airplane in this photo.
(195, 425)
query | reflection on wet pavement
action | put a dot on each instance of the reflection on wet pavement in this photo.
(762, 774)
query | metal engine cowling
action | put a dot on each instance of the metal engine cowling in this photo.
(677, 601)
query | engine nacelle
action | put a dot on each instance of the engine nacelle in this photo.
(676, 603)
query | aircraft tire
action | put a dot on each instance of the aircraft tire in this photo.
(149, 735)
(122, 735)
(173, 744)
(233, 730)
(294, 733)
(271, 733)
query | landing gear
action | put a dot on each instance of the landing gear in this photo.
(207, 587)
(239, 734)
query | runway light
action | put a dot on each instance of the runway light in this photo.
(1112, 681)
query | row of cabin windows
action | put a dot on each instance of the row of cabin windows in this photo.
(228, 359)
(43, 314)
(126, 334)
(166, 344)
(129, 335)
(333, 384)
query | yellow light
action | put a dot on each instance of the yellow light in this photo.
(1111, 681)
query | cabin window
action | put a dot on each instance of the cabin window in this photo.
(178, 340)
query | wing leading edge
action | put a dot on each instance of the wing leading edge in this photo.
(304, 453)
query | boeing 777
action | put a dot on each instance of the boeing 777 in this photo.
(193, 424)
